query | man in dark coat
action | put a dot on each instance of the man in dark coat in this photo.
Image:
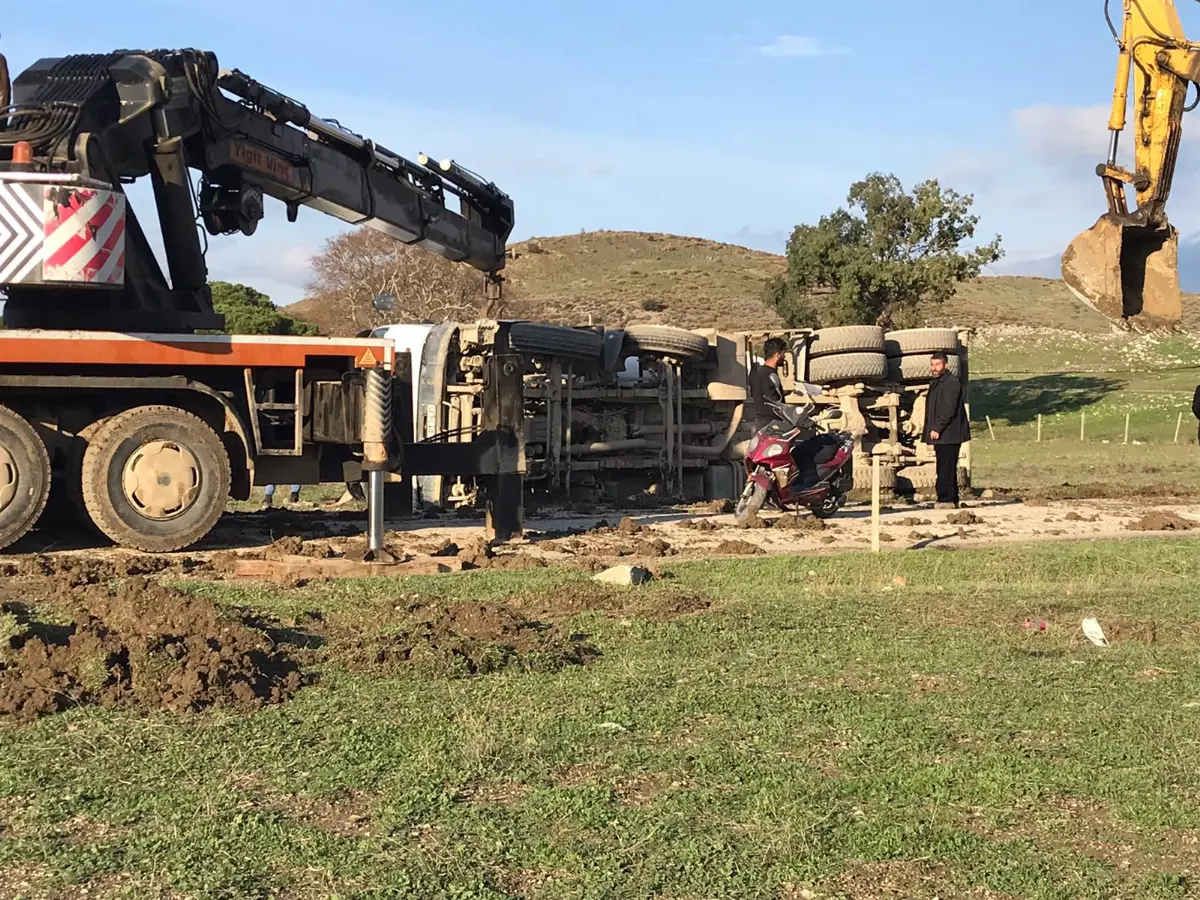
(1196, 410)
(947, 428)
(765, 386)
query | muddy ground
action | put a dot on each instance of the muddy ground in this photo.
(605, 537)
(82, 624)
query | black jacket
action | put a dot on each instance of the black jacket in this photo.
(945, 412)
(765, 387)
(1196, 403)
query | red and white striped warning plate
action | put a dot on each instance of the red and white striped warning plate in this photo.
(84, 236)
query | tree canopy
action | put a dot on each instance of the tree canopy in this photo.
(249, 311)
(889, 256)
(356, 266)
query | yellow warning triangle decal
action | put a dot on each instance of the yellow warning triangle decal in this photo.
(367, 359)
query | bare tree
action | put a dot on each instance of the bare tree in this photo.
(355, 267)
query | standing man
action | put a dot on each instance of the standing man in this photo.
(1196, 410)
(269, 498)
(765, 386)
(947, 428)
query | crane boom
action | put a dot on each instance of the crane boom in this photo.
(92, 123)
(1127, 264)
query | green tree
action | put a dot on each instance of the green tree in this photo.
(248, 311)
(890, 255)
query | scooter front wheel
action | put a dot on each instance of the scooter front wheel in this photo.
(751, 501)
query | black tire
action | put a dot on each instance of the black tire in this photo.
(538, 339)
(124, 518)
(848, 367)
(846, 339)
(753, 497)
(964, 367)
(663, 340)
(71, 482)
(914, 369)
(834, 501)
(921, 340)
(24, 477)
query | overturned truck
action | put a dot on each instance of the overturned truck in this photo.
(651, 409)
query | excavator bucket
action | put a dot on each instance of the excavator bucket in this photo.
(1126, 272)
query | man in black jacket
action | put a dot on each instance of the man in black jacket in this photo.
(947, 428)
(1196, 410)
(765, 386)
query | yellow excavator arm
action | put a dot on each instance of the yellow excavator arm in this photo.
(1127, 264)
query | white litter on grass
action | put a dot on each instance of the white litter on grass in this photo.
(1094, 633)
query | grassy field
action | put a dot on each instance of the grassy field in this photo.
(622, 277)
(1091, 382)
(853, 726)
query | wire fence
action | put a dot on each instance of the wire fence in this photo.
(1105, 427)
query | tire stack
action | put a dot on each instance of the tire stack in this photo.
(909, 353)
(847, 354)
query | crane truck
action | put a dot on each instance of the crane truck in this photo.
(119, 394)
(1126, 266)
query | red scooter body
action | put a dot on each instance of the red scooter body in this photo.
(791, 465)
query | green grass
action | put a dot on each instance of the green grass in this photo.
(820, 728)
(1089, 382)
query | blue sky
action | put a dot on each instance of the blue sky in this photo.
(733, 122)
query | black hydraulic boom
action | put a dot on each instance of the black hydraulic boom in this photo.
(104, 120)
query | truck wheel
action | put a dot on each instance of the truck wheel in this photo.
(664, 340)
(848, 367)
(536, 338)
(921, 340)
(24, 477)
(71, 482)
(155, 478)
(846, 339)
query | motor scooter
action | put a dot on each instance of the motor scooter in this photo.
(797, 461)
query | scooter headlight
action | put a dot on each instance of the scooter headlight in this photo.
(773, 451)
(753, 444)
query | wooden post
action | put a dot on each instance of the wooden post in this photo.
(1178, 425)
(875, 504)
(1126, 428)
(1082, 425)
(991, 430)
(1039, 437)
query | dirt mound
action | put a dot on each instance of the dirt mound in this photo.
(1162, 521)
(76, 570)
(738, 548)
(468, 639)
(141, 645)
(789, 522)
(699, 524)
(963, 517)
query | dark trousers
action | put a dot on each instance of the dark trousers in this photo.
(947, 472)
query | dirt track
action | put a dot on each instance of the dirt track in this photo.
(646, 535)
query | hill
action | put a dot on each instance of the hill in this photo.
(623, 277)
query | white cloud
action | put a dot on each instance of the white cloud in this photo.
(1064, 134)
(796, 46)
